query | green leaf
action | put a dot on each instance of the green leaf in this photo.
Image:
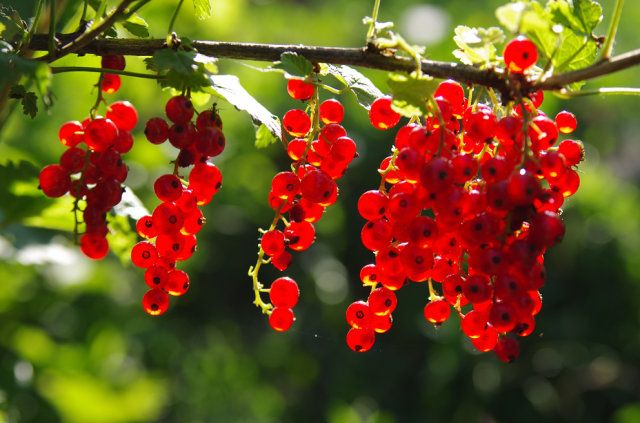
(182, 68)
(13, 67)
(264, 137)
(229, 88)
(136, 26)
(357, 83)
(522, 17)
(12, 27)
(581, 16)
(130, 206)
(477, 45)
(410, 93)
(202, 8)
(293, 65)
(29, 106)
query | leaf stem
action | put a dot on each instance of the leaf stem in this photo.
(374, 19)
(34, 25)
(52, 28)
(611, 34)
(172, 22)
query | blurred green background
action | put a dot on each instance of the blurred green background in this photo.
(76, 346)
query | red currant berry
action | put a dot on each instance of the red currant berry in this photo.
(208, 119)
(168, 188)
(155, 276)
(284, 292)
(296, 122)
(71, 134)
(381, 115)
(113, 61)
(360, 340)
(317, 187)
(281, 319)
(179, 109)
(155, 301)
(300, 90)
(566, 122)
(359, 315)
(145, 227)
(54, 181)
(331, 111)
(167, 218)
(100, 134)
(507, 349)
(437, 312)
(520, 54)
(487, 340)
(144, 254)
(382, 301)
(272, 243)
(156, 130)
(177, 283)
(110, 83)
(94, 247)
(123, 114)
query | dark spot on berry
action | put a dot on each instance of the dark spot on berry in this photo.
(289, 187)
(156, 280)
(154, 307)
(175, 247)
(359, 314)
(373, 277)
(173, 220)
(148, 223)
(358, 348)
(146, 255)
(381, 211)
(496, 259)
(419, 260)
(369, 225)
(174, 184)
(442, 175)
(478, 227)
(505, 317)
(513, 286)
(426, 233)
(393, 254)
(387, 302)
(474, 288)
(185, 286)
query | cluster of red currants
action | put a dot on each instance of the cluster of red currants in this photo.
(92, 169)
(320, 155)
(473, 204)
(170, 231)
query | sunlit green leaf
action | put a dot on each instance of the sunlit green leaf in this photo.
(580, 15)
(202, 8)
(293, 64)
(410, 93)
(229, 88)
(477, 45)
(364, 90)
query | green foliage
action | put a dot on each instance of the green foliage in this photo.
(229, 88)
(477, 45)
(27, 98)
(292, 64)
(411, 92)
(202, 8)
(563, 31)
(362, 88)
(135, 26)
(12, 27)
(183, 68)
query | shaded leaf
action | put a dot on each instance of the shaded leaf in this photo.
(29, 106)
(12, 27)
(136, 26)
(410, 93)
(364, 90)
(229, 88)
(264, 137)
(130, 206)
(293, 64)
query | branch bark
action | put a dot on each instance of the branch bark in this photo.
(368, 57)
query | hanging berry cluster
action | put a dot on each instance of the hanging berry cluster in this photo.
(469, 202)
(320, 155)
(91, 169)
(170, 231)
